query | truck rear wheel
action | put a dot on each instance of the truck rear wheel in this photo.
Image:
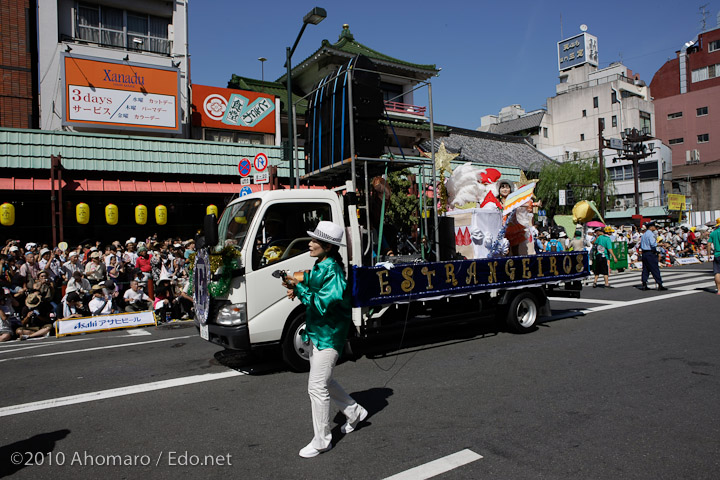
(522, 313)
(296, 353)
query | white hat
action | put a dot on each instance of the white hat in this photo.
(95, 255)
(44, 251)
(177, 245)
(14, 248)
(563, 234)
(328, 232)
(131, 240)
(30, 245)
(72, 254)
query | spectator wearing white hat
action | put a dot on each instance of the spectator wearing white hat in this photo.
(72, 265)
(95, 269)
(101, 303)
(30, 268)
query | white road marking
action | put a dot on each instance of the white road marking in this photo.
(136, 332)
(24, 345)
(437, 467)
(96, 348)
(584, 300)
(638, 280)
(696, 286)
(114, 392)
(612, 306)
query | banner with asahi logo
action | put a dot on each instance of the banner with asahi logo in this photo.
(120, 95)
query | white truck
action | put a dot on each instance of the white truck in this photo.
(267, 231)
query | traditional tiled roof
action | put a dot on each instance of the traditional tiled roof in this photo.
(526, 122)
(415, 126)
(271, 88)
(347, 46)
(491, 149)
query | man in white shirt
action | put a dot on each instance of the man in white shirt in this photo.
(100, 304)
(135, 299)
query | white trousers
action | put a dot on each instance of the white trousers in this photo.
(322, 388)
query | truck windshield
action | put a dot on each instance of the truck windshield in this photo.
(236, 221)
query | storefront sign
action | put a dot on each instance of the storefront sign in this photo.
(577, 50)
(120, 95)
(676, 202)
(405, 282)
(226, 108)
(101, 323)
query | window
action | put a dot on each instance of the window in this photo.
(706, 73)
(582, 137)
(602, 122)
(392, 92)
(595, 102)
(703, 138)
(283, 232)
(702, 111)
(227, 136)
(545, 132)
(614, 120)
(676, 141)
(645, 122)
(715, 45)
(584, 113)
(119, 28)
(613, 97)
(674, 115)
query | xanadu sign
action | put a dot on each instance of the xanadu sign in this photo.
(404, 282)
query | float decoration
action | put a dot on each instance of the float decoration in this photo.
(222, 264)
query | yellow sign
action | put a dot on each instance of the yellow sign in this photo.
(676, 202)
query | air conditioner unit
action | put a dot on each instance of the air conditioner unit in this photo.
(696, 156)
(618, 203)
(645, 204)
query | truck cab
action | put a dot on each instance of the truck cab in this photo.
(270, 230)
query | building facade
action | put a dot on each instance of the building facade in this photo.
(587, 100)
(686, 94)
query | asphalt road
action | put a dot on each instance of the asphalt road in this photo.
(620, 384)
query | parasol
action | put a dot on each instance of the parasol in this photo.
(595, 224)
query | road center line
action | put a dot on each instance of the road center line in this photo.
(16, 346)
(584, 300)
(437, 467)
(114, 392)
(95, 348)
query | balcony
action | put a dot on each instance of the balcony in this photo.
(405, 110)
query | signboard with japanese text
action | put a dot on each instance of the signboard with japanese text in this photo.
(120, 95)
(73, 326)
(262, 177)
(230, 109)
(676, 202)
(577, 50)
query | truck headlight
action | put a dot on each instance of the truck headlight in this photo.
(232, 315)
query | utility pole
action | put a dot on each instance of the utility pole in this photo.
(635, 149)
(601, 145)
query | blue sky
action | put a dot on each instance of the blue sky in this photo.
(492, 54)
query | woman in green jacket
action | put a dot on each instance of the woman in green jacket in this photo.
(327, 320)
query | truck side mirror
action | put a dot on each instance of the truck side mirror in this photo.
(211, 230)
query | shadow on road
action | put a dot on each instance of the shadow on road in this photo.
(374, 400)
(32, 451)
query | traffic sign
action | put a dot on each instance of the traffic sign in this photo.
(261, 162)
(263, 177)
(244, 167)
(246, 190)
(245, 181)
(561, 197)
(616, 143)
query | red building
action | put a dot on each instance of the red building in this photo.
(686, 93)
(18, 64)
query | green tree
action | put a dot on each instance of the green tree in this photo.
(402, 211)
(582, 174)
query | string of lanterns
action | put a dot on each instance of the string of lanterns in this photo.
(112, 213)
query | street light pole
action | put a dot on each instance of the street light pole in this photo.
(314, 16)
(634, 149)
(262, 68)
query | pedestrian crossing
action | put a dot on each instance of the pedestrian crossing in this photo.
(674, 279)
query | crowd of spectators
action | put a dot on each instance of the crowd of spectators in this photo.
(40, 284)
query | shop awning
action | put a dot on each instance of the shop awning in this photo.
(130, 186)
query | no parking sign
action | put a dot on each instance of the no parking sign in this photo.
(244, 167)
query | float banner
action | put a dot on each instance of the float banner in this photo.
(621, 252)
(73, 326)
(413, 281)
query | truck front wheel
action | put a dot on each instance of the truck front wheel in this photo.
(522, 313)
(296, 352)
